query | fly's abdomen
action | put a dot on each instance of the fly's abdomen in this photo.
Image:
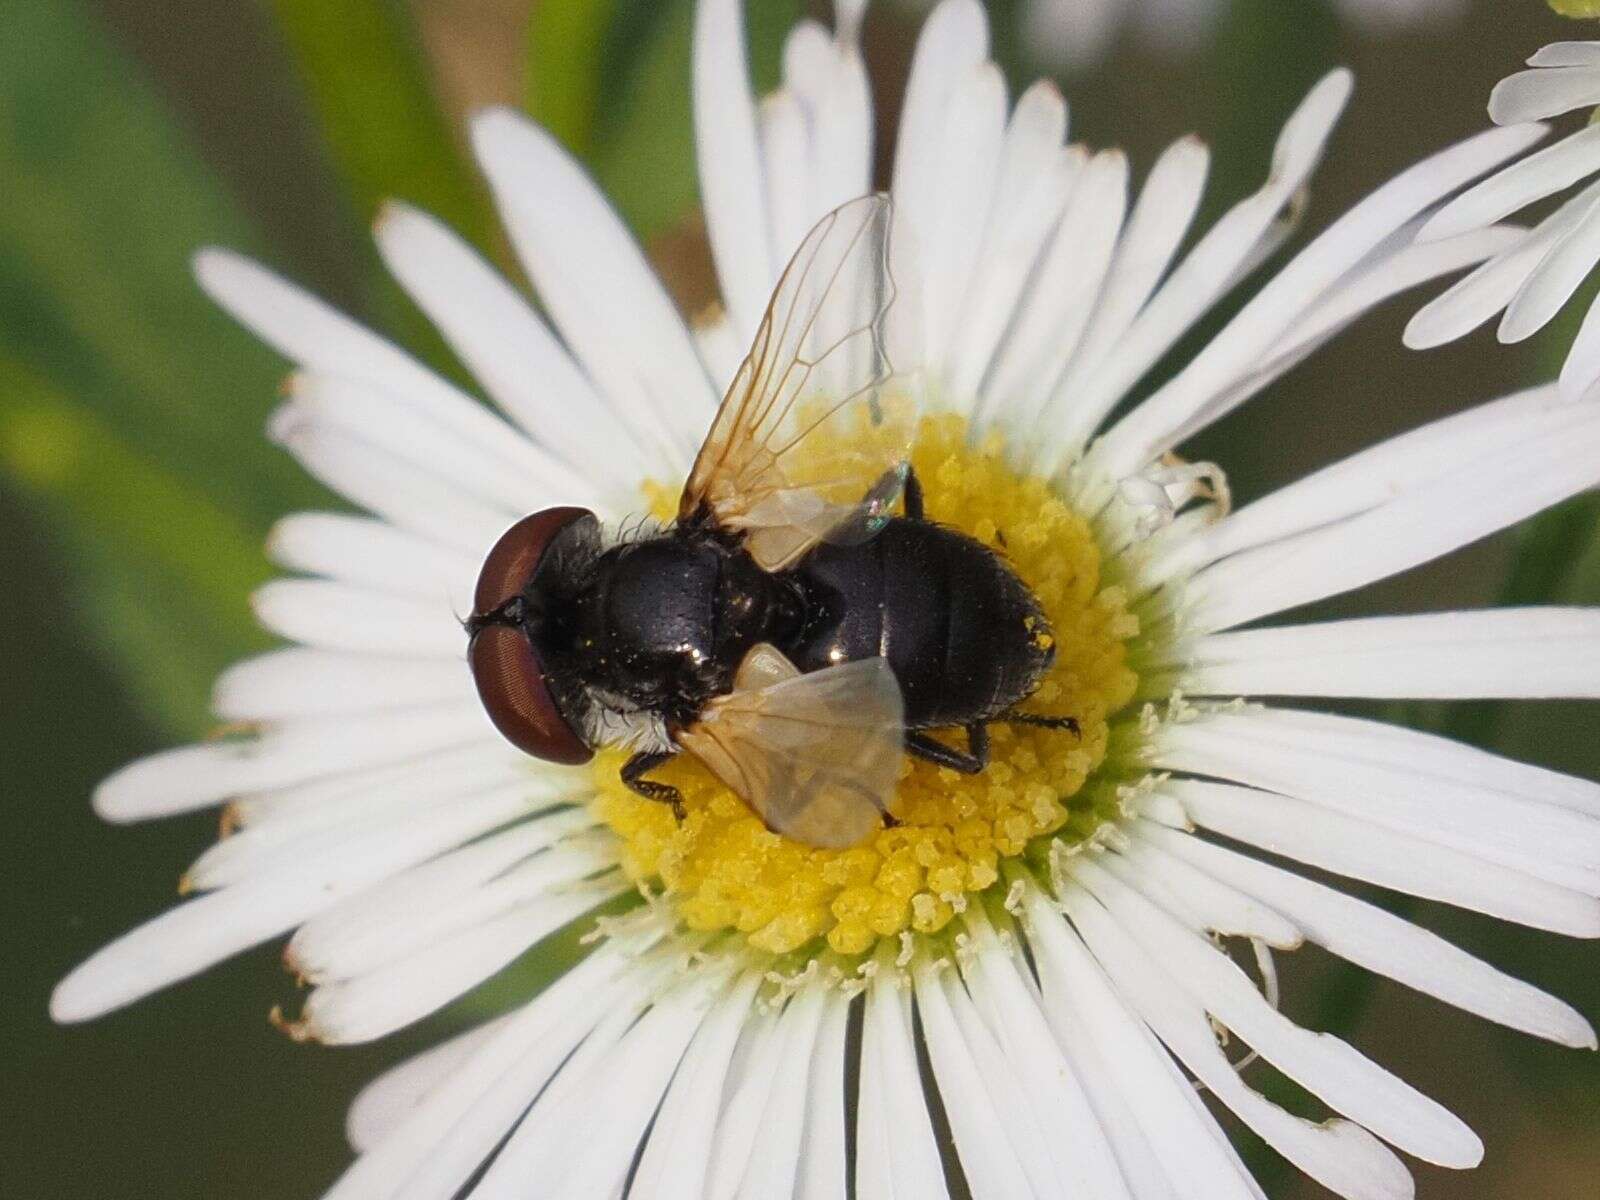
(958, 627)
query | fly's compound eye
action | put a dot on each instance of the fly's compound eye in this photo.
(505, 665)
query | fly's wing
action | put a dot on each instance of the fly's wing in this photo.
(817, 756)
(811, 441)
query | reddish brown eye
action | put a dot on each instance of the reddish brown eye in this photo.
(505, 664)
(511, 683)
(516, 556)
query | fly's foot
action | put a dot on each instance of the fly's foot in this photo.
(662, 793)
(1040, 721)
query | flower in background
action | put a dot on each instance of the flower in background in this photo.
(1077, 34)
(1533, 279)
(1061, 938)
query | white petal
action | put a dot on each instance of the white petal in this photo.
(510, 350)
(1210, 269)
(1505, 653)
(1084, 1161)
(373, 554)
(1553, 282)
(1160, 220)
(1386, 944)
(729, 159)
(1337, 767)
(1326, 1066)
(590, 275)
(896, 1155)
(786, 156)
(675, 1159)
(438, 1146)
(1348, 846)
(1551, 170)
(191, 777)
(751, 1077)
(775, 1158)
(1341, 1156)
(829, 75)
(299, 682)
(1566, 54)
(341, 617)
(418, 907)
(1547, 92)
(383, 1105)
(1188, 403)
(1198, 900)
(395, 489)
(1185, 1143)
(187, 939)
(1034, 178)
(823, 1168)
(1440, 514)
(1582, 368)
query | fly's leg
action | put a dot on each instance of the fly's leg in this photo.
(974, 760)
(913, 495)
(1040, 721)
(663, 793)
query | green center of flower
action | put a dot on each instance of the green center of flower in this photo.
(723, 870)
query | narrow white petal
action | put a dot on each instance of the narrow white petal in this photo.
(1211, 268)
(1061, 296)
(896, 1155)
(1341, 1156)
(587, 270)
(1566, 54)
(751, 1077)
(1504, 653)
(1349, 846)
(786, 156)
(828, 75)
(1386, 944)
(373, 554)
(1185, 1143)
(1312, 761)
(1443, 513)
(394, 996)
(1160, 220)
(676, 1155)
(1547, 92)
(383, 1105)
(775, 1157)
(1327, 1067)
(1551, 170)
(1553, 282)
(954, 39)
(1035, 176)
(729, 159)
(1582, 368)
(395, 489)
(343, 618)
(823, 1169)
(1215, 907)
(510, 350)
(1188, 403)
(191, 777)
(964, 184)
(300, 682)
(1084, 1161)
(194, 936)
(442, 1142)
(408, 913)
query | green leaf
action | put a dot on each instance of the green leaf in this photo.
(639, 142)
(161, 572)
(370, 91)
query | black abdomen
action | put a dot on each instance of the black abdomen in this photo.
(962, 633)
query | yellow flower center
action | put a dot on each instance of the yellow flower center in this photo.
(722, 869)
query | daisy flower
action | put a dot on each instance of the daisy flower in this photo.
(1532, 280)
(1038, 963)
(1077, 34)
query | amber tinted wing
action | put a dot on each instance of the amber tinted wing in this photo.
(811, 441)
(817, 756)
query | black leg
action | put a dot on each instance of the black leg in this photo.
(663, 793)
(1041, 721)
(974, 760)
(913, 495)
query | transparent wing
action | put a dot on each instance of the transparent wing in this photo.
(811, 441)
(817, 756)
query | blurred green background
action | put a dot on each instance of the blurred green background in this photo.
(135, 487)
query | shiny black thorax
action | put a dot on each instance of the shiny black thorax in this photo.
(661, 624)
